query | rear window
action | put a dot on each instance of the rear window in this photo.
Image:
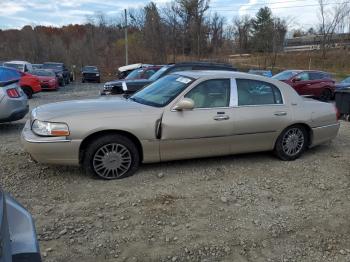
(7, 75)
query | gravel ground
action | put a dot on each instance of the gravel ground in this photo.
(239, 208)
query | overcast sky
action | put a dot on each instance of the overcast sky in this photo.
(17, 13)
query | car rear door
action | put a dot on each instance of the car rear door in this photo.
(204, 130)
(261, 113)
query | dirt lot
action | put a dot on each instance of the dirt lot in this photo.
(238, 208)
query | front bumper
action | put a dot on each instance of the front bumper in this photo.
(50, 150)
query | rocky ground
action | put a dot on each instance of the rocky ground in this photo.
(239, 208)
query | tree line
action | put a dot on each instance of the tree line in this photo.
(175, 31)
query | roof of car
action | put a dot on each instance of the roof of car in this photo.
(17, 62)
(217, 73)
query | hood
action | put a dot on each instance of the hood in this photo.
(342, 85)
(129, 82)
(106, 106)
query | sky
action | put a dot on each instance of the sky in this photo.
(17, 13)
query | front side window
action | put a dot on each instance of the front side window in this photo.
(211, 93)
(163, 91)
(304, 76)
(253, 92)
(285, 75)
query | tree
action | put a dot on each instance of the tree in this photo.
(330, 18)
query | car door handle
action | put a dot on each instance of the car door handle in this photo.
(280, 113)
(221, 117)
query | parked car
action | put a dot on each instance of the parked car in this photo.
(131, 86)
(22, 66)
(124, 71)
(37, 66)
(30, 84)
(13, 102)
(266, 73)
(90, 73)
(47, 78)
(143, 73)
(343, 84)
(316, 84)
(180, 116)
(18, 241)
(60, 70)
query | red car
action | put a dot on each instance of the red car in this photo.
(143, 72)
(317, 84)
(30, 84)
(47, 78)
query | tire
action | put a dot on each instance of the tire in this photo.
(102, 157)
(296, 148)
(28, 91)
(326, 95)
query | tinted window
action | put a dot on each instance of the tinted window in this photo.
(8, 75)
(211, 93)
(180, 68)
(134, 74)
(316, 75)
(253, 92)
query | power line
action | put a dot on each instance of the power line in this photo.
(275, 8)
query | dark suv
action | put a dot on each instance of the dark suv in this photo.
(131, 86)
(90, 73)
(60, 70)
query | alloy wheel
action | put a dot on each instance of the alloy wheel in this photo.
(293, 141)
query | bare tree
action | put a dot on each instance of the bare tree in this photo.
(330, 18)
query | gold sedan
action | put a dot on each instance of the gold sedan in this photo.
(184, 115)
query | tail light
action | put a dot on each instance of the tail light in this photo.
(337, 112)
(13, 93)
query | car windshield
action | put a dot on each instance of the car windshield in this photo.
(52, 66)
(163, 91)
(156, 75)
(285, 75)
(16, 66)
(134, 74)
(346, 80)
(43, 73)
(90, 68)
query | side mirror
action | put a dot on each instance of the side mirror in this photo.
(297, 79)
(184, 104)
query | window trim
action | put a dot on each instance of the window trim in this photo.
(211, 108)
(238, 106)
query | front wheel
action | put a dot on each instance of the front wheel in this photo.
(111, 157)
(292, 143)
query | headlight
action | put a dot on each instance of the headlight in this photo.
(42, 128)
(97, 74)
(108, 86)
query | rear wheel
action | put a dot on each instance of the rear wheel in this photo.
(111, 157)
(28, 91)
(326, 95)
(292, 143)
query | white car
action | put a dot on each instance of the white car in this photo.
(22, 66)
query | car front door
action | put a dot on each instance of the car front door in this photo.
(202, 131)
(260, 115)
(302, 84)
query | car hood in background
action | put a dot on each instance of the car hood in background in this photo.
(105, 106)
(136, 82)
(342, 85)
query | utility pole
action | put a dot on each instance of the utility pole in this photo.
(126, 38)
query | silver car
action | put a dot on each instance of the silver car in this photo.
(13, 102)
(180, 116)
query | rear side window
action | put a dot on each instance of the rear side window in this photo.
(316, 76)
(253, 92)
(8, 75)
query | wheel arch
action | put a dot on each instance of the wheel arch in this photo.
(307, 128)
(87, 140)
